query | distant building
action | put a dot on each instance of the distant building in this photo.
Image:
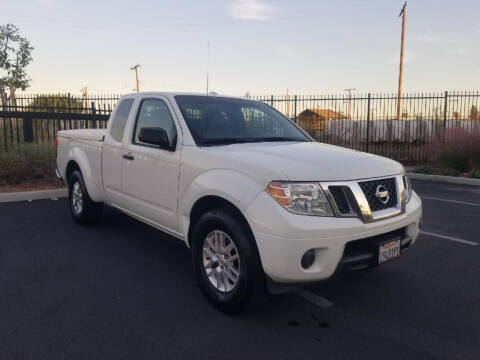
(313, 120)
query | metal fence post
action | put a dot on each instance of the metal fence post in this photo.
(94, 112)
(445, 108)
(271, 100)
(367, 139)
(295, 109)
(5, 139)
(69, 109)
(27, 130)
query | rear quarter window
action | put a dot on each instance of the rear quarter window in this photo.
(120, 118)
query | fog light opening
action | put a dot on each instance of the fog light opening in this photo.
(308, 258)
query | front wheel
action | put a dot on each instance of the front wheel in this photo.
(83, 209)
(226, 262)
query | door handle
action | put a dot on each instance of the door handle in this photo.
(128, 156)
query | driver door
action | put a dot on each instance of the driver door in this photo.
(150, 174)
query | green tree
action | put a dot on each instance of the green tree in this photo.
(56, 103)
(15, 56)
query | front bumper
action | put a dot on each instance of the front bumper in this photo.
(282, 237)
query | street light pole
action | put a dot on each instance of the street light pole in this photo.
(403, 14)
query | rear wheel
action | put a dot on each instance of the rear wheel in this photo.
(226, 262)
(83, 209)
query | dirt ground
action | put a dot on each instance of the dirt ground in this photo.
(31, 185)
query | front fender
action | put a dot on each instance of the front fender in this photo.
(91, 172)
(233, 186)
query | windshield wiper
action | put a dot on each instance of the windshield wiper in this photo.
(243, 140)
(276, 139)
(224, 141)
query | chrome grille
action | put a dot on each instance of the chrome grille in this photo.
(369, 188)
(356, 198)
(340, 199)
(344, 199)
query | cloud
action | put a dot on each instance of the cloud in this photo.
(47, 3)
(286, 50)
(408, 58)
(254, 10)
(429, 37)
(458, 51)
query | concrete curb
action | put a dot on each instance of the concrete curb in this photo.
(33, 195)
(445, 179)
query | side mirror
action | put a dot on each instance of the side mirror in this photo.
(154, 136)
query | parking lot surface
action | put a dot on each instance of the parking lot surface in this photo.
(123, 290)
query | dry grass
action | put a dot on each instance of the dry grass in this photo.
(27, 162)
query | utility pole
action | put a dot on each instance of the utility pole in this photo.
(136, 74)
(84, 91)
(456, 114)
(208, 63)
(288, 105)
(403, 14)
(349, 91)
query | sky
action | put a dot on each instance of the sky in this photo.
(258, 46)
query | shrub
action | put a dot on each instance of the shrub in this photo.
(459, 151)
(438, 171)
(454, 159)
(27, 162)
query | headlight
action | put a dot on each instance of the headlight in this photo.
(301, 198)
(408, 188)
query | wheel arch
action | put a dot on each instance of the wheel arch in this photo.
(213, 189)
(78, 160)
(212, 202)
(72, 165)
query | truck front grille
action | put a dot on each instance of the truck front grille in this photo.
(340, 198)
(369, 200)
(370, 187)
(344, 199)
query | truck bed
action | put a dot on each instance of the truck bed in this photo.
(84, 134)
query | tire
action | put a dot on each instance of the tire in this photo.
(249, 288)
(83, 209)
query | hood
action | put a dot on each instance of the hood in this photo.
(309, 161)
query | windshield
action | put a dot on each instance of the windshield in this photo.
(219, 121)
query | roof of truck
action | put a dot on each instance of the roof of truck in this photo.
(174, 93)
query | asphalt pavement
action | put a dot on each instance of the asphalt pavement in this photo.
(123, 290)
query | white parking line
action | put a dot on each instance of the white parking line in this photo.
(451, 238)
(450, 201)
(315, 299)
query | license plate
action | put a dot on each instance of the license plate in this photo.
(388, 251)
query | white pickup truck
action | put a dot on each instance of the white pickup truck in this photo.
(259, 203)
